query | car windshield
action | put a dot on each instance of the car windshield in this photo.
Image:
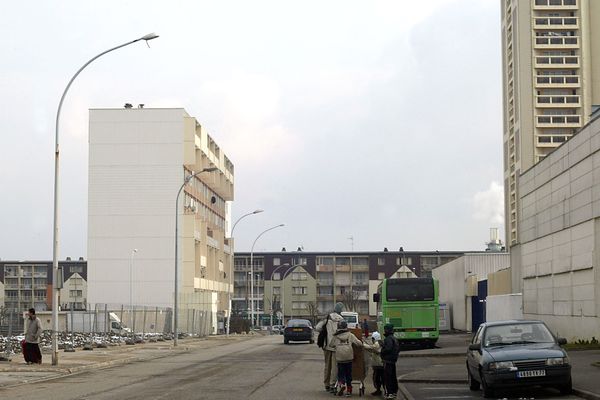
(352, 319)
(296, 323)
(500, 335)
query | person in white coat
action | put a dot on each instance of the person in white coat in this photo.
(330, 324)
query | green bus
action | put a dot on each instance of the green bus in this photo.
(412, 306)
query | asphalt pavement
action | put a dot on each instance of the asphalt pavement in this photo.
(442, 370)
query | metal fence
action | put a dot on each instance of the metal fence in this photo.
(106, 323)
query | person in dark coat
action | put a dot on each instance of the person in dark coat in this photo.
(389, 356)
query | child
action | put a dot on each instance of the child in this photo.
(373, 347)
(342, 343)
(389, 356)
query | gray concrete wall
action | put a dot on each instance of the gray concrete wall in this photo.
(559, 232)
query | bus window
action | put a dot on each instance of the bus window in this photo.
(410, 289)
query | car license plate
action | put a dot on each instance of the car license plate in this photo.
(531, 374)
(424, 334)
(297, 329)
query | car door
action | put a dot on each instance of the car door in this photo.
(473, 356)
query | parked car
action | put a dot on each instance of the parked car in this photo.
(298, 330)
(506, 354)
(352, 318)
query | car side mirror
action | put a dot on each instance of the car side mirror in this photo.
(475, 347)
(561, 341)
(376, 297)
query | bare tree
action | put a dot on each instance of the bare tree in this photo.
(313, 311)
(350, 300)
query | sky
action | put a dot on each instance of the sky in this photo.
(379, 121)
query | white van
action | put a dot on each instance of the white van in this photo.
(352, 318)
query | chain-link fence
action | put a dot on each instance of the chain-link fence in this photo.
(107, 324)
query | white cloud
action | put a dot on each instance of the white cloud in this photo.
(488, 205)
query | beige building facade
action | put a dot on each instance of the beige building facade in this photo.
(551, 79)
(139, 158)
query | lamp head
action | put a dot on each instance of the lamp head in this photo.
(211, 169)
(149, 36)
(257, 211)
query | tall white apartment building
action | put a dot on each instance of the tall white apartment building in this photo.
(138, 160)
(551, 74)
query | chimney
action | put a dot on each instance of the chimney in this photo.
(283, 249)
(68, 258)
(128, 106)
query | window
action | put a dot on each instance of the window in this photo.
(299, 305)
(276, 276)
(299, 290)
(75, 293)
(277, 290)
(276, 261)
(299, 276)
(76, 268)
(380, 261)
(301, 261)
(381, 276)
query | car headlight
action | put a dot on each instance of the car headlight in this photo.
(501, 365)
(557, 361)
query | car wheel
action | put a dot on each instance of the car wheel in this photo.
(473, 383)
(567, 388)
(286, 341)
(488, 392)
(312, 341)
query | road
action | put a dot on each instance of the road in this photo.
(435, 391)
(261, 368)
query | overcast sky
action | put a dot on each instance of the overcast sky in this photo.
(380, 120)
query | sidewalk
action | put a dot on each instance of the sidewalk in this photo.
(446, 364)
(16, 372)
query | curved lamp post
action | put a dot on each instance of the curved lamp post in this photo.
(175, 300)
(252, 271)
(231, 250)
(55, 288)
(272, 284)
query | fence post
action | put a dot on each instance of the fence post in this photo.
(144, 325)
(155, 319)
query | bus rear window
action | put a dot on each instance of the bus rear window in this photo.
(410, 289)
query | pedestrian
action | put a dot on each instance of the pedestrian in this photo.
(365, 328)
(33, 331)
(326, 329)
(373, 346)
(389, 356)
(344, 354)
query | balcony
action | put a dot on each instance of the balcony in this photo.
(557, 42)
(557, 62)
(562, 121)
(555, 5)
(557, 81)
(544, 101)
(556, 23)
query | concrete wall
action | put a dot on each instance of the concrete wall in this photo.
(500, 282)
(503, 307)
(560, 237)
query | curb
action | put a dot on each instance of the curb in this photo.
(584, 394)
(431, 355)
(405, 393)
(434, 380)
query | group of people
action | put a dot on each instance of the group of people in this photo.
(338, 354)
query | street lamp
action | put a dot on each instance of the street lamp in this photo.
(252, 270)
(55, 289)
(231, 251)
(272, 284)
(131, 289)
(175, 301)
